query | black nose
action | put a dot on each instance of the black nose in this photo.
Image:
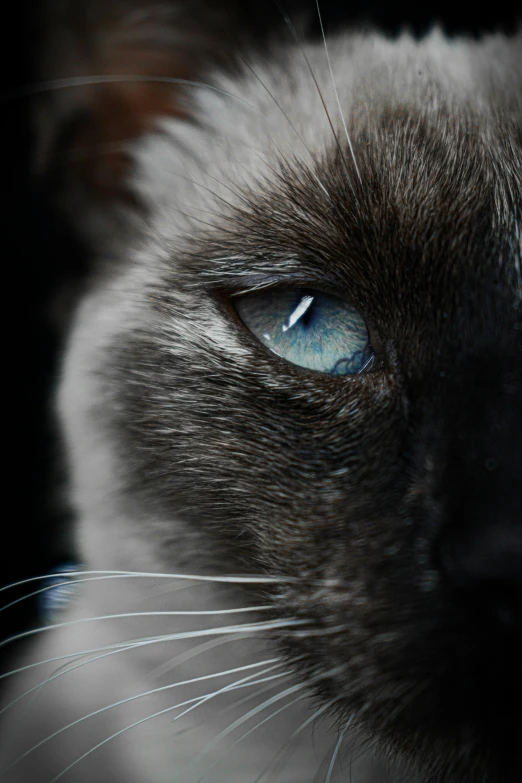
(483, 565)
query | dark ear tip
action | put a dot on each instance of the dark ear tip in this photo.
(83, 129)
(85, 136)
(96, 156)
(126, 62)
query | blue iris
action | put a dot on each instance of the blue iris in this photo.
(308, 328)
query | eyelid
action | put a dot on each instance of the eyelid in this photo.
(249, 284)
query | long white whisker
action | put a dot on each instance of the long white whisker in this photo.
(113, 649)
(233, 686)
(199, 700)
(43, 590)
(203, 678)
(108, 650)
(251, 730)
(239, 629)
(348, 139)
(292, 29)
(126, 615)
(250, 714)
(118, 648)
(272, 681)
(228, 579)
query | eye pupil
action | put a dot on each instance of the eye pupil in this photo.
(308, 328)
(308, 316)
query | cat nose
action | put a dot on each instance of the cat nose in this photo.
(483, 566)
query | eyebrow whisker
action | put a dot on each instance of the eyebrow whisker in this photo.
(348, 139)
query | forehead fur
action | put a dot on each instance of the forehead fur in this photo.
(293, 108)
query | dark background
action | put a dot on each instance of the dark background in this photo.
(38, 258)
(42, 255)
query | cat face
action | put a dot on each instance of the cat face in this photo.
(386, 498)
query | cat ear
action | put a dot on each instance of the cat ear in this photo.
(112, 68)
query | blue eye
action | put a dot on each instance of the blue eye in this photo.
(308, 328)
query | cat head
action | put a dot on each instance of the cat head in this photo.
(302, 358)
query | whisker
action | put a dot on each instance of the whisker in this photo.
(272, 681)
(127, 615)
(178, 660)
(120, 646)
(244, 682)
(43, 590)
(163, 688)
(278, 760)
(337, 748)
(285, 115)
(62, 670)
(298, 41)
(229, 579)
(115, 649)
(257, 693)
(235, 724)
(348, 139)
(292, 125)
(167, 666)
(88, 81)
(311, 632)
(251, 730)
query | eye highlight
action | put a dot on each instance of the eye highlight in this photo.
(308, 328)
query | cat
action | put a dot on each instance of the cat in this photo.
(291, 405)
